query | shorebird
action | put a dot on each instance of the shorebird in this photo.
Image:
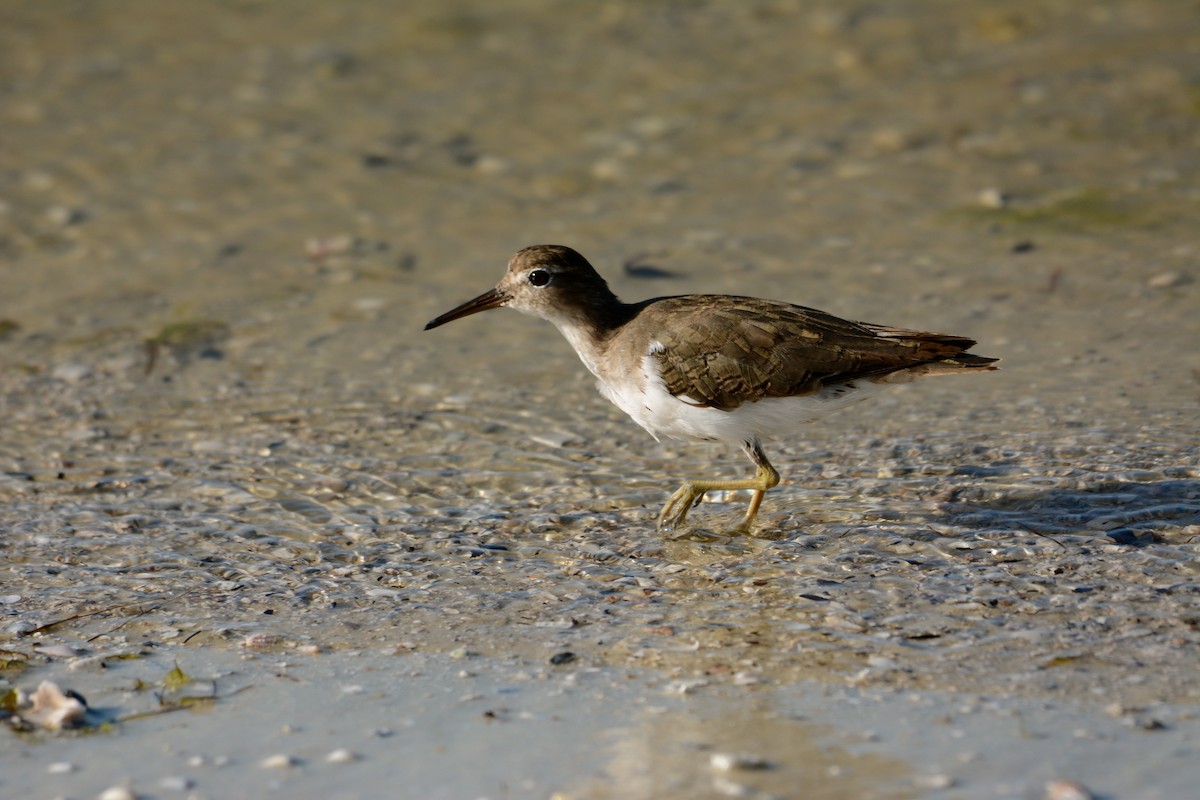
(714, 367)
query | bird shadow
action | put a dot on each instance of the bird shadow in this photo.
(1127, 512)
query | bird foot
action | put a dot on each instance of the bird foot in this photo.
(674, 512)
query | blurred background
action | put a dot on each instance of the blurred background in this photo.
(323, 178)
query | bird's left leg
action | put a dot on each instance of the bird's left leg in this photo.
(674, 513)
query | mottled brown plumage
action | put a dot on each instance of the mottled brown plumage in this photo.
(724, 351)
(715, 367)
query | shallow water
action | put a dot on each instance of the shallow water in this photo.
(222, 420)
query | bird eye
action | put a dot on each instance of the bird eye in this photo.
(539, 277)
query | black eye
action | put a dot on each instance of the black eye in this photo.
(539, 277)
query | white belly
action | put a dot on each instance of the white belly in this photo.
(650, 405)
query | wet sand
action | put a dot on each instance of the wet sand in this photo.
(229, 447)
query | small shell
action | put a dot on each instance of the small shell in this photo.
(117, 793)
(727, 762)
(1067, 790)
(342, 756)
(55, 709)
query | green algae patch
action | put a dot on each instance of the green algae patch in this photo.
(191, 334)
(187, 338)
(1080, 210)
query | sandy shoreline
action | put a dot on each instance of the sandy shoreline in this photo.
(228, 446)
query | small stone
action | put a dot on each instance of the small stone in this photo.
(992, 198)
(1145, 723)
(492, 165)
(685, 686)
(935, 782)
(324, 248)
(258, 641)
(117, 793)
(278, 761)
(57, 650)
(565, 657)
(1167, 280)
(727, 762)
(175, 783)
(555, 438)
(1067, 790)
(730, 788)
(70, 372)
(342, 756)
(61, 768)
(22, 627)
(64, 216)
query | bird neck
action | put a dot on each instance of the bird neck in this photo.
(591, 324)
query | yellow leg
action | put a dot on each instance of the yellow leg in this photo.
(674, 513)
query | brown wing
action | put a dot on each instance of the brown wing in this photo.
(730, 350)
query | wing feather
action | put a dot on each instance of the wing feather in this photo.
(721, 351)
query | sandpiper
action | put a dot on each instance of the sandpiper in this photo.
(713, 367)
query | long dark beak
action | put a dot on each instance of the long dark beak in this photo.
(488, 300)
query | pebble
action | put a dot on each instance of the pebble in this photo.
(685, 686)
(64, 215)
(935, 782)
(257, 641)
(22, 627)
(57, 650)
(71, 372)
(176, 783)
(992, 198)
(727, 762)
(117, 793)
(342, 756)
(82, 664)
(731, 788)
(1167, 280)
(565, 657)
(1067, 790)
(324, 248)
(278, 761)
(744, 678)
(61, 768)
(555, 438)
